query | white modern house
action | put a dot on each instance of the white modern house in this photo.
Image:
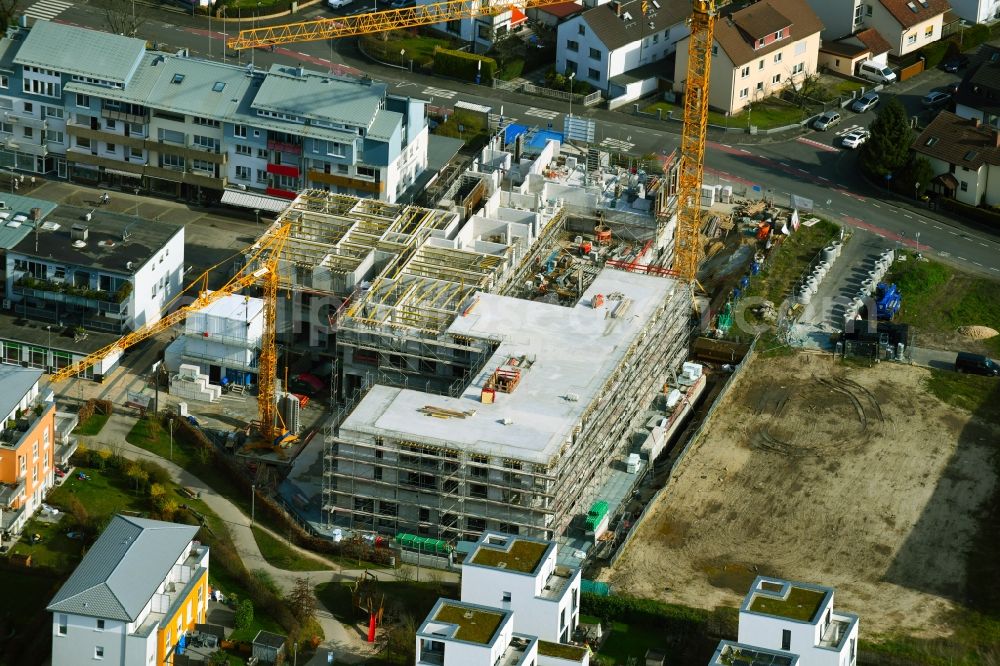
(977, 11)
(791, 623)
(132, 599)
(111, 272)
(518, 608)
(222, 339)
(484, 28)
(612, 39)
(520, 574)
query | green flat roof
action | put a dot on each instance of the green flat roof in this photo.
(801, 604)
(561, 650)
(517, 555)
(473, 625)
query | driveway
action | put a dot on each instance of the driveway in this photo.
(933, 358)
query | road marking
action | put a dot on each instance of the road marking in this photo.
(944, 254)
(984, 244)
(47, 9)
(977, 263)
(541, 113)
(876, 205)
(937, 227)
(907, 215)
(440, 92)
(617, 144)
(789, 166)
(744, 150)
(953, 233)
(992, 268)
(923, 221)
(817, 144)
(961, 258)
(824, 179)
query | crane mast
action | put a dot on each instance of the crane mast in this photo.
(687, 250)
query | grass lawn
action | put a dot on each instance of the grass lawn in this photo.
(102, 494)
(417, 599)
(846, 87)
(975, 393)
(789, 260)
(56, 550)
(91, 426)
(937, 300)
(418, 48)
(631, 641)
(280, 555)
(765, 114)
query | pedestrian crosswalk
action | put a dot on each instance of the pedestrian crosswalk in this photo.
(47, 9)
(817, 144)
(848, 129)
(541, 113)
(440, 92)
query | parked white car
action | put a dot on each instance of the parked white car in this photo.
(854, 138)
(338, 4)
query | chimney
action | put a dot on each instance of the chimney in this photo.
(616, 7)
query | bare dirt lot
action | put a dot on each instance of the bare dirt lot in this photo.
(814, 471)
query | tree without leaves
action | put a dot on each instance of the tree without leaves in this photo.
(123, 17)
(888, 148)
(8, 12)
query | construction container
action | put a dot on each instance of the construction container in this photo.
(597, 519)
(602, 234)
(586, 247)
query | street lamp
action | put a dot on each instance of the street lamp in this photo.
(916, 190)
(256, 211)
(572, 75)
(253, 504)
(171, 439)
(136, 190)
(402, 52)
(48, 347)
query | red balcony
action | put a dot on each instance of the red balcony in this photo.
(284, 194)
(282, 147)
(283, 170)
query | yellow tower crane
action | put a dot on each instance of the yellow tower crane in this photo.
(687, 247)
(261, 268)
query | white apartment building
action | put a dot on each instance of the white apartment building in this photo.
(137, 591)
(977, 11)
(906, 24)
(795, 621)
(517, 609)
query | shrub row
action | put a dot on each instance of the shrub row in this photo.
(989, 216)
(92, 406)
(465, 66)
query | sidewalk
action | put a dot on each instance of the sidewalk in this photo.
(347, 644)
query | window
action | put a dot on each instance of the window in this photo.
(745, 72)
(110, 148)
(868, 10)
(964, 186)
(261, 176)
(800, 47)
(34, 451)
(776, 78)
(29, 107)
(342, 168)
(760, 65)
(243, 149)
(595, 54)
(744, 93)
(262, 153)
(777, 57)
(83, 101)
(593, 74)
(786, 639)
(425, 515)
(136, 129)
(929, 31)
(98, 652)
(4, 81)
(581, 29)
(100, 625)
(760, 86)
(63, 625)
(506, 597)
(912, 39)
(110, 123)
(570, 67)
(799, 68)
(52, 112)
(858, 14)
(366, 172)
(242, 173)
(178, 79)
(573, 45)
(29, 132)
(240, 131)
(135, 153)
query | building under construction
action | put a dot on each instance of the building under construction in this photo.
(491, 363)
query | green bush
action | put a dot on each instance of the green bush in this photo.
(465, 66)
(979, 214)
(645, 612)
(974, 36)
(934, 53)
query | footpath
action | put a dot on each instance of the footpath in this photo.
(346, 643)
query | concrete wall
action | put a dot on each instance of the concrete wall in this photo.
(157, 282)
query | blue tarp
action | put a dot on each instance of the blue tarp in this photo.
(539, 138)
(512, 131)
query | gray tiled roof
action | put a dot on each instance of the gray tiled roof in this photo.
(615, 30)
(123, 569)
(15, 381)
(308, 94)
(71, 50)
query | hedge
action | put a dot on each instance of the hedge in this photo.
(461, 65)
(644, 612)
(934, 53)
(979, 214)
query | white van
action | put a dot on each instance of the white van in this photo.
(875, 72)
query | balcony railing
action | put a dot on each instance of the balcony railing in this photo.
(65, 293)
(113, 114)
(284, 147)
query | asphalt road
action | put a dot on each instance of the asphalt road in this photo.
(812, 165)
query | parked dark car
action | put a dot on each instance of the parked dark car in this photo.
(955, 63)
(976, 364)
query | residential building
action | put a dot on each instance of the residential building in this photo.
(758, 51)
(27, 444)
(222, 339)
(139, 589)
(484, 28)
(846, 54)
(965, 157)
(102, 108)
(978, 96)
(521, 574)
(111, 273)
(906, 24)
(609, 40)
(517, 607)
(795, 622)
(553, 15)
(976, 11)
